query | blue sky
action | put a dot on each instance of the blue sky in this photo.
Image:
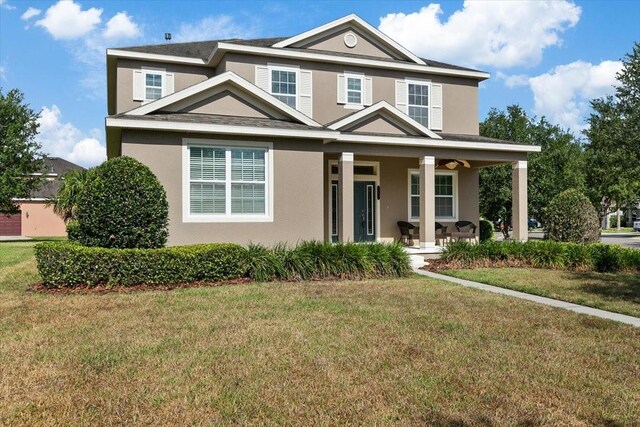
(549, 57)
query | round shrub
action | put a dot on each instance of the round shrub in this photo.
(570, 217)
(123, 205)
(486, 230)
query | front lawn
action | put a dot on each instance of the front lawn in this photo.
(619, 292)
(403, 352)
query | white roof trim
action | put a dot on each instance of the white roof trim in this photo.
(327, 135)
(323, 57)
(386, 107)
(155, 57)
(345, 20)
(439, 143)
(222, 47)
(217, 129)
(225, 77)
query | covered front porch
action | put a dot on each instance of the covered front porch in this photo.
(367, 195)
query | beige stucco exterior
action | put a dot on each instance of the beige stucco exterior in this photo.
(39, 220)
(460, 95)
(301, 186)
(184, 76)
(334, 42)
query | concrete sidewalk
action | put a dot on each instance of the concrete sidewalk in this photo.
(629, 320)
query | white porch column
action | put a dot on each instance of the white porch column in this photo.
(345, 197)
(427, 202)
(520, 218)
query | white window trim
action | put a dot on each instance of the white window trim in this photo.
(353, 105)
(456, 196)
(152, 70)
(187, 216)
(421, 83)
(288, 68)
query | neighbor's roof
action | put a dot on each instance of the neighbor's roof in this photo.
(204, 49)
(55, 168)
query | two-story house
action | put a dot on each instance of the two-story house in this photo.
(337, 133)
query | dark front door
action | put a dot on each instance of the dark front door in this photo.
(364, 211)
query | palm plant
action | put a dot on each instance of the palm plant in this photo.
(66, 201)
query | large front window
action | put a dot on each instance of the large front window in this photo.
(445, 196)
(227, 182)
(283, 86)
(418, 105)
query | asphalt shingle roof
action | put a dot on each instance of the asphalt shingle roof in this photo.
(203, 49)
(57, 166)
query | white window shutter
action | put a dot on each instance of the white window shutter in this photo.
(138, 85)
(436, 106)
(342, 89)
(168, 84)
(401, 95)
(306, 91)
(368, 91)
(262, 78)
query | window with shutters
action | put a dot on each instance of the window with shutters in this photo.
(354, 87)
(446, 195)
(227, 182)
(152, 86)
(418, 102)
(284, 84)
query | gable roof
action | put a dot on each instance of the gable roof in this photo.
(357, 22)
(233, 79)
(382, 108)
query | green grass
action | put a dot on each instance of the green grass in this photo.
(618, 292)
(13, 252)
(615, 230)
(389, 352)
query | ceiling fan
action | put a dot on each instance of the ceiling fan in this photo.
(452, 163)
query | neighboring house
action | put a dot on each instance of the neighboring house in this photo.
(334, 134)
(36, 218)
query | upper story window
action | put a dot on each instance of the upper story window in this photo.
(418, 102)
(150, 83)
(152, 86)
(226, 183)
(354, 89)
(284, 85)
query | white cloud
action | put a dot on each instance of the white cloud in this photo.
(5, 5)
(3, 72)
(66, 20)
(484, 33)
(563, 93)
(212, 28)
(30, 13)
(513, 80)
(121, 26)
(64, 140)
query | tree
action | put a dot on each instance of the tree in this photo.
(20, 155)
(65, 204)
(613, 147)
(555, 169)
(122, 205)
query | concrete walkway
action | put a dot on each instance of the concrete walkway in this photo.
(629, 320)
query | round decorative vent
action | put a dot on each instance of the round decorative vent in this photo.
(350, 40)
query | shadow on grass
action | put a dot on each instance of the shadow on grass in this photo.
(611, 286)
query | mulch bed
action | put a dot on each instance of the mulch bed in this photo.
(435, 265)
(107, 289)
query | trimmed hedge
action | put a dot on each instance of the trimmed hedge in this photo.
(548, 254)
(66, 264)
(122, 205)
(486, 230)
(71, 264)
(570, 217)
